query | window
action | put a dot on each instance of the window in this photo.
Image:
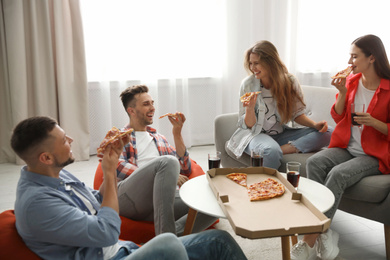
(154, 39)
(326, 29)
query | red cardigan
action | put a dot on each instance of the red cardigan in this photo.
(373, 142)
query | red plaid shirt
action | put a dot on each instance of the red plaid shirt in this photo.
(128, 160)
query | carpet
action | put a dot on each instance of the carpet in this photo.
(256, 249)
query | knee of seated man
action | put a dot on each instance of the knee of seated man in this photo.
(168, 243)
(171, 162)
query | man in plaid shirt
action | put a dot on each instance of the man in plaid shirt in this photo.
(150, 169)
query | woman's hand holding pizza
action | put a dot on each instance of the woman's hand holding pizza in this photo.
(250, 104)
(339, 83)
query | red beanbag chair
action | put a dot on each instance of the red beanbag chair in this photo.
(11, 244)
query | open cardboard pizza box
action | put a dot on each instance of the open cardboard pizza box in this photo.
(289, 214)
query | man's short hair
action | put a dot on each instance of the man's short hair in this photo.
(127, 95)
(30, 133)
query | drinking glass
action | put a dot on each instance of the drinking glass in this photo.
(355, 107)
(214, 160)
(293, 173)
(257, 157)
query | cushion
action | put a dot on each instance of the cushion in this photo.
(373, 189)
(12, 245)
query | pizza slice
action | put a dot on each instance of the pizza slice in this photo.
(239, 178)
(112, 135)
(173, 115)
(343, 74)
(265, 190)
(247, 96)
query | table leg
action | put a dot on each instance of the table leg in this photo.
(294, 240)
(190, 221)
(285, 248)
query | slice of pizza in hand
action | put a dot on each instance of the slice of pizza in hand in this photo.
(114, 134)
(173, 115)
(239, 178)
(247, 96)
(343, 74)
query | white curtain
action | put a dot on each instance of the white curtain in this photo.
(174, 47)
(43, 69)
(192, 52)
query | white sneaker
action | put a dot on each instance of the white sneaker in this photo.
(302, 251)
(327, 245)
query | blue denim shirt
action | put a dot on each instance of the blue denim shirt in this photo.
(55, 226)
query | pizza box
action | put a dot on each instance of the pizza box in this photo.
(286, 215)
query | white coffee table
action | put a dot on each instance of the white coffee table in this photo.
(197, 194)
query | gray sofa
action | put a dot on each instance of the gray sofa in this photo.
(369, 198)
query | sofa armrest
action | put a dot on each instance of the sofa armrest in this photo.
(225, 125)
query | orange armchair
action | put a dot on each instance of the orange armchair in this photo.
(139, 231)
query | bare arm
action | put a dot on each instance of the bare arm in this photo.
(321, 126)
(176, 131)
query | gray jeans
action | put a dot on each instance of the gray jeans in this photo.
(337, 169)
(150, 194)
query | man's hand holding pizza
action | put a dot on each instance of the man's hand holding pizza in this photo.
(112, 152)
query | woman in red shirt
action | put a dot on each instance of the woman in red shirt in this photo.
(354, 151)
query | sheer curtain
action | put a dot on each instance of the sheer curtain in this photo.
(42, 69)
(174, 47)
(190, 53)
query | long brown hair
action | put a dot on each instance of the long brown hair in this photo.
(372, 45)
(281, 86)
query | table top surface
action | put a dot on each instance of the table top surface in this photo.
(197, 194)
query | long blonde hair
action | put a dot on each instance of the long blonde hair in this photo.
(281, 86)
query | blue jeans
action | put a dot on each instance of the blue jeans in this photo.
(337, 169)
(210, 244)
(304, 139)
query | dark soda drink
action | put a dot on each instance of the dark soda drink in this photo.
(293, 178)
(257, 161)
(214, 163)
(353, 121)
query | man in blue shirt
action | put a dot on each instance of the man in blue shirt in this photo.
(58, 217)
